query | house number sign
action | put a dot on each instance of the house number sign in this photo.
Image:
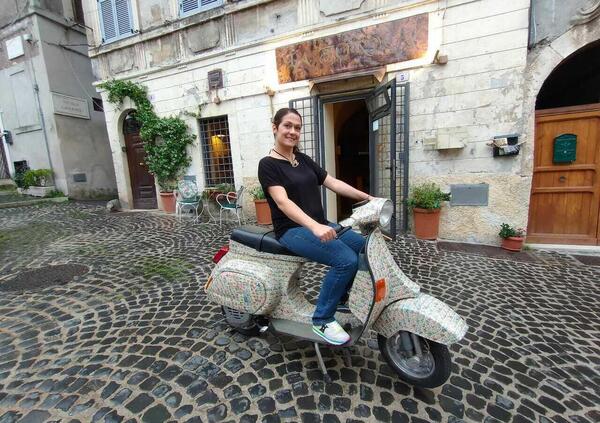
(565, 148)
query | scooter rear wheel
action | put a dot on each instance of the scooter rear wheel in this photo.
(242, 322)
(430, 370)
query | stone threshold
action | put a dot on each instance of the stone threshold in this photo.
(33, 202)
(485, 251)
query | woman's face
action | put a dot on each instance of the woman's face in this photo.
(287, 134)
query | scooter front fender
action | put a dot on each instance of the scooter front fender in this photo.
(422, 315)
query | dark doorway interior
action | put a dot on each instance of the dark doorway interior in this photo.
(575, 82)
(351, 149)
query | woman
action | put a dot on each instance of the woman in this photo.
(291, 182)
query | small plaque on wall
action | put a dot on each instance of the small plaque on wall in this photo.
(70, 106)
(565, 148)
(469, 194)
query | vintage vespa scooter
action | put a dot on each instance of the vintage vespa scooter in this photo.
(256, 281)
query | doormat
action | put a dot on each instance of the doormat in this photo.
(588, 260)
(43, 277)
(485, 251)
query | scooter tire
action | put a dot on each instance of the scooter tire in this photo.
(441, 358)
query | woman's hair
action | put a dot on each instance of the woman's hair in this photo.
(281, 113)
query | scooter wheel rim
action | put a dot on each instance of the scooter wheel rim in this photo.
(423, 370)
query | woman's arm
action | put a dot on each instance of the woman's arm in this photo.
(343, 189)
(295, 213)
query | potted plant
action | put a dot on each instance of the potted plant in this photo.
(263, 212)
(512, 238)
(35, 182)
(425, 200)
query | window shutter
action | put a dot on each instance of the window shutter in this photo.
(208, 2)
(107, 19)
(188, 6)
(123, 17)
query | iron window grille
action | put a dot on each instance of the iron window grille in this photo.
(216, 151)
(190, 7)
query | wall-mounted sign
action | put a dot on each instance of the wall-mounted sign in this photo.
(14, 47)
(565, 148)
(364, 48)
(70, 106)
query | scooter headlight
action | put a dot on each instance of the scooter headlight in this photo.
(386, 213)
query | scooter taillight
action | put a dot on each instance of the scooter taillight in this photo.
(224, 250)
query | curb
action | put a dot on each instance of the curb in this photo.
(33, 202)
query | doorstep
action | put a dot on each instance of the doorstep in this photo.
(490, 251)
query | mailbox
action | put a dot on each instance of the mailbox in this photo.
(565, 148)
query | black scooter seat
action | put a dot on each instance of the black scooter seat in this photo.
(259, 238)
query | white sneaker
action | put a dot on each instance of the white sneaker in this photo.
(332, 332)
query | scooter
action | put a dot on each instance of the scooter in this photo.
(256, 281)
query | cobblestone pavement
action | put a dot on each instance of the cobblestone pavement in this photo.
(103, 319)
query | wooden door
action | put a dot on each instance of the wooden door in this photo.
(565, 198)
(142, 182)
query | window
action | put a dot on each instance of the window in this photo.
(97, 103)
(115, 19)
(216, 151)
(78, 12)
(189, 7)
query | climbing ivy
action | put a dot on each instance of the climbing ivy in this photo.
(165, 139)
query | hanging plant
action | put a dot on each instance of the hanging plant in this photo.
(165, 139)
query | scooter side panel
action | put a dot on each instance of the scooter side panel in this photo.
(383, 266)
(249, 285)
(425, 316)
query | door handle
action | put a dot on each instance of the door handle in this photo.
(562, 179)
(142, 164)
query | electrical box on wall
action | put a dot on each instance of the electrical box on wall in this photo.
(446, 139)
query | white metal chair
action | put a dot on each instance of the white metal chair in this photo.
(187, 197)
(232, 203)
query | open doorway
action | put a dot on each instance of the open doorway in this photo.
(346, 151)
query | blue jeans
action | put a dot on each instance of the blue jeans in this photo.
(341, 254)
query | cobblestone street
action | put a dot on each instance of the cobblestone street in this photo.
(103, 319)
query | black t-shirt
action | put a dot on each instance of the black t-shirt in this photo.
(301, 184)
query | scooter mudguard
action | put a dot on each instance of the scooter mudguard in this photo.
(422, 315)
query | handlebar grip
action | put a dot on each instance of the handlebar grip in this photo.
(343, 230)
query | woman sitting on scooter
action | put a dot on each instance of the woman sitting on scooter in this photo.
(290, 180)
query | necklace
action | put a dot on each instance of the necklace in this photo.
(294, 162)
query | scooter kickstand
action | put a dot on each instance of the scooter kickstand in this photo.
(326, 376)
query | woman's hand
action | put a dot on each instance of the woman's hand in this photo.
(323, 232)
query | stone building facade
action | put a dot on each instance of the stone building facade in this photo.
(464, 73)
(47, 97)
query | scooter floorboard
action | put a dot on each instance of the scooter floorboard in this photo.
(304, 331)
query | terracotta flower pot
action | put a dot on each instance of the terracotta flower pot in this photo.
(427, 223)
(263, 212)
(167, 199)
(513, 243)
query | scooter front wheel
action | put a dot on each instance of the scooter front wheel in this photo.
(428, 369)
(242, 322)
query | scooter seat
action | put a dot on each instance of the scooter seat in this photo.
(261, 239)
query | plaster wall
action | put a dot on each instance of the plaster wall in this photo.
(83, 143)
(551, 19)
(18, 102)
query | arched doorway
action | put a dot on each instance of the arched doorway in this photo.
(142, 182)
(565, 194)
